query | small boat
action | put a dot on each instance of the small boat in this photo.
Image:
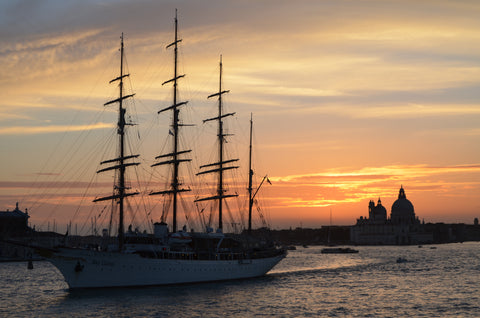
(401, 260)
(338, 250)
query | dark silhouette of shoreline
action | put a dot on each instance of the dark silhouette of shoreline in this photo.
(340, 235)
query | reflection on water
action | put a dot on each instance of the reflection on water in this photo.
(433, 282)
(308, 259)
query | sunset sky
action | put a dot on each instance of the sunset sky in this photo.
(350, 99)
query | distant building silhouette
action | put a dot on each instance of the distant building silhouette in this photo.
(403, 227)
(13, 223)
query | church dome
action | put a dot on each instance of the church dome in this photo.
(402, 210)
(380, 211)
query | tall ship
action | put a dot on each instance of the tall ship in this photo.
(169, 255)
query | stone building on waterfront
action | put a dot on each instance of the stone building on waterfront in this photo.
(403, 227)
(13, 223)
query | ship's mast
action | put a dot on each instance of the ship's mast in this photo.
(250, 177)
(251, 193)
(119, 187)
(222, 164)
(174, 160)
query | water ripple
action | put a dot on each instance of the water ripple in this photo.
(432, 283)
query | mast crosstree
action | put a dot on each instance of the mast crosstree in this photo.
(173, 158)
(120, 163)
(221, 165)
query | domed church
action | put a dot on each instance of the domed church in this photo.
(402, 210)
(403, 227)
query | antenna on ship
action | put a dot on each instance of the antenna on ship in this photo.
(173, 158)
(119, 186)
(222, 164)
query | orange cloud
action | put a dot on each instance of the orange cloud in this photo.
(351, 186)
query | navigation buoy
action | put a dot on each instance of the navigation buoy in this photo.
(30, 264)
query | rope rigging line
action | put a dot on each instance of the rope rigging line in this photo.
(62, 166)
(61, 141)
(69, 186)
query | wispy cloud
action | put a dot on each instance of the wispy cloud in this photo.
(50, 184)
(29, 130)
(48, 55)
(375, 174)
(414, 110)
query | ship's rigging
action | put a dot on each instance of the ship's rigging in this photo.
(174, 158)
(222, 164)
(159, 258)
(121, 162)
(125, 159)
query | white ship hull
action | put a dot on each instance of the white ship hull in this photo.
(94, 269)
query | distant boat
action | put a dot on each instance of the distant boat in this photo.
(338, 250)
(140, 259)
(401, 260)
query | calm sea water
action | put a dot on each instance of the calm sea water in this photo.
(441, 282)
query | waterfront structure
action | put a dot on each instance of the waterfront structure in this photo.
(13, 223)
(402, 228)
